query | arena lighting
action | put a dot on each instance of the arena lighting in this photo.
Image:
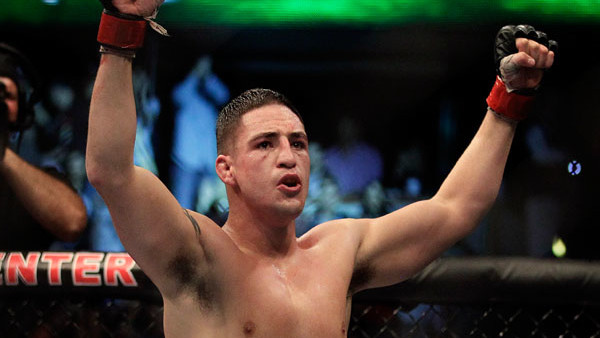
(253, 13)
(559, 249)
(51, 2)
(574, 168)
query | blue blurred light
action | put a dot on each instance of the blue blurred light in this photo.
(574, 168)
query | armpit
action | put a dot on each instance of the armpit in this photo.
(191, 278)
(361, 276)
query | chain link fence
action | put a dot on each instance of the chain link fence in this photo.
(490, 320)
(125, 318)
(451, 298)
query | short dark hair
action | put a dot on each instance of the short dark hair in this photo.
(230, 115)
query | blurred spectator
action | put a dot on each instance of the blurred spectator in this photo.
(193, 179)
(38, 205)
(344, 179)
(374, 200)
(353, 163)
(323, 194)
(407, 173)
(53, 143)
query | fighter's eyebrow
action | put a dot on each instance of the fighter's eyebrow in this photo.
(267, 134)
(272, 134)
(299, 135)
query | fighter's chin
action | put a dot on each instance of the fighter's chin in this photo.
(290, 209)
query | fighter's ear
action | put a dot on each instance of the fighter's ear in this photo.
(224, 169)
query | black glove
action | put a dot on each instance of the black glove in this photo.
(506, 41)
(513, 104)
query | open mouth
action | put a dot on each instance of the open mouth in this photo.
(290, 181)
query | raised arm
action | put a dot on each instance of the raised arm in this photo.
(151, 225)
(397, 245)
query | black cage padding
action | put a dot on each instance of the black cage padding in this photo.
(484, 279)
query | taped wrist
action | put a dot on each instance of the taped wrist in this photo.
(512, 106)
(126, 53)
(121, 31)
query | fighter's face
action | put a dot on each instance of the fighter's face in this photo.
(270, 160)
(12, 98)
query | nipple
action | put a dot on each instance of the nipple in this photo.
(249, 328)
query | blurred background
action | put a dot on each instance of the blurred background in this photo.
(391, 93)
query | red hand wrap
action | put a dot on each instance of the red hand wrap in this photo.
(121, 33)
(511, 105)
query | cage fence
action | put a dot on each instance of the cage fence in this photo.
(103, 296)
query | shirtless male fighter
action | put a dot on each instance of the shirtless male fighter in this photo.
(253, 277)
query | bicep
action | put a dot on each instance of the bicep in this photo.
(152, 226)
(399, 244)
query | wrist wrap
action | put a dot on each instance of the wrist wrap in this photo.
(510, 105)
(121, 31)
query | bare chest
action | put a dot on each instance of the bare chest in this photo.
(303, 295)
(273, 301)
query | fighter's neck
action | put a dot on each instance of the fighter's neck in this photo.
(262, 238)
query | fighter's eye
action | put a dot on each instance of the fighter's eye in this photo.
(264, 145)
(299, 145)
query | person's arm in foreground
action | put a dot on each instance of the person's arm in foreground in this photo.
(150, 223)
(397, 245)
(51, 202)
